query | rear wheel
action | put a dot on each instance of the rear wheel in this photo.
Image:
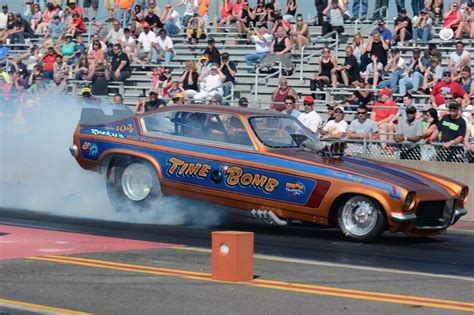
(132, 184)
(361, 219)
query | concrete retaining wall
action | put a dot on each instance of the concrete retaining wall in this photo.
(461, 172)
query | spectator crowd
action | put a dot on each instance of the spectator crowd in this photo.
(375, 68)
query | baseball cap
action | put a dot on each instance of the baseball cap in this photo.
(387, 92)
(211, 41)
(395, 50)
(339, 107)
(446, 72)
(86, 91)
(411, 110)
(381, 22)
(72, 1)
(417, 50)
(4, 6)
(243, 102)
(225, 55)
(153, 93)
(403, 10)
(204, 57)
(179, 95)
(308, 100)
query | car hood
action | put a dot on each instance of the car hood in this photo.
(391, 174)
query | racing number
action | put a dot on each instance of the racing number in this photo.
(122, 128)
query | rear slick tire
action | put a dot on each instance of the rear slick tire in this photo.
(132, 185)
(361, 219)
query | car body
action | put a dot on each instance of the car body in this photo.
(251, 160)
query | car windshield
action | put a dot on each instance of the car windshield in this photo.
(280, 131)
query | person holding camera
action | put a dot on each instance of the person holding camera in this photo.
(335, 13)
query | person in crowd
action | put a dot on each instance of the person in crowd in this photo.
(128, 44)
(359, 49)
(447, 86)
(466, 81)
(46, 18)
(35, 17)
(378, 46)
(362, 95)
(335, 129)
(171, 20)
(451, 131)
(436, 8)
(414, 72)
(99, 76)
(374, 71)
(124, 12)
(423, 26)
(229, 70)
(309, 118)
(109, 53)
(152, 5)
(432, 74)
(382, 113)
(195, 29)
(359, 6)
(144, 46)
(379, 4)
(190, 79)
(407, 100)
(118, 99)
(68, 49)
(139, 15)
(190, 9)
(348, 73)
(226, 16)
(403, 28)
(96, 53)
(48, 61)
(76, 27)
(153, 20)
(60, 67)
(244, 20)
(3, 17)
(363, 127)
(327, 62)
(72, 4)
(335, 13)
(466, 26)
(300, 33)
(408, 133)
(397, 66)
(82, 67)
(212, 52)
(320, 6)
(10, 25)
(57, 86)
(153, 103)
(452, 17)
(443, 108)
(164, 45)
(55, 29)
(383, 31)
(203, 11)
(212, 83)
(109, 5)
(120, 64)
(291, 106)
(4, 54)
(263, 41)
(459, 58)
(280, 93)
(280, 22)
(430, 125)
(95, 6)
(203, 65)
(115, 35)
(290, 10)
(243, 102)
(20, 31)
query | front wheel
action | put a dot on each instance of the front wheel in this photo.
(361, 219)
(132, 184)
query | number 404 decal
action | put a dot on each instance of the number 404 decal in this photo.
(127, 127)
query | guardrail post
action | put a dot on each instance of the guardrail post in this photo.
(255, 89)
(301, 62)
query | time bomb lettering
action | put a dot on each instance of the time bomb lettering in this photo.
(233, 175)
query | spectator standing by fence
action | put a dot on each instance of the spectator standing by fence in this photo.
(309, 118)
(408, 133)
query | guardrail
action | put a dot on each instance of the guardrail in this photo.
(318, 39)
(271, 75)
(89, 27)
(367, 15)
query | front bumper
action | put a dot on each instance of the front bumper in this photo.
(411, 218)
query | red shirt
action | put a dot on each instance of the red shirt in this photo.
(48, 61)
(382, 112)
(79, 24)
(440, 89)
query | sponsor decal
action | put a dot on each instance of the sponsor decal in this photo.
(91, 148)
(97, 132)
(125, 127)
(141, 139)
(295, 188)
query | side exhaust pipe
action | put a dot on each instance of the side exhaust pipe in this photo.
(267, 217)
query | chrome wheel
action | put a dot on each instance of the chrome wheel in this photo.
(359, 216)
(137, 181)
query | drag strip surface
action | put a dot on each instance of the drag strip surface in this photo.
(449, 254)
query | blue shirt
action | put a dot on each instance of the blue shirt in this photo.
(386, 34)
(3, 54)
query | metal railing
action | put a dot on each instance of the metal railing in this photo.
(367, 15)
(271, 75)
(89, 26)
(318, 39)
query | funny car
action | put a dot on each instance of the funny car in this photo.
(263, 162)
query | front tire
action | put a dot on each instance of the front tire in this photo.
(361, 219)
(132, 184)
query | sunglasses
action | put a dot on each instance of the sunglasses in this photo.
(308, 104)
(449, 98)
(289, 103)
(361, 113)
(446, 75)
(337, 112)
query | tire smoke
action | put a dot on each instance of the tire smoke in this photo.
(38, 173)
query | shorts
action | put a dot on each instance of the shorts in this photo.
(94, 3)
(109, 4)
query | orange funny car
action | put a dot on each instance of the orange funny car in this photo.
(264, 162)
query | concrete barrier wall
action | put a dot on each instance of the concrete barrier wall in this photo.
(461, 172)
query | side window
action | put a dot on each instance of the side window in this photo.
(235, 130)
(162, 123)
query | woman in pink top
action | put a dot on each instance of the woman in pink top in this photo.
(452, 17)
(96, 53)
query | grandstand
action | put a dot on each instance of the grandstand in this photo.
(258, 88)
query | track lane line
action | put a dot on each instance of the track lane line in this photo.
(270, 284)
(24, 306)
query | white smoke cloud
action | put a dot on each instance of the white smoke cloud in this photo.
(38, 173)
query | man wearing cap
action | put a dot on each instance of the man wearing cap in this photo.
(408, 133)
(448, 86)
(432, 74)
(397, 66)
(383, 31)
(415, 72)
(337, 128)
(459, 58)
(48, 61)
(403, 27)
(212, 52)
(229, 69)
(153, 103)
(164, 46)
(262, 41)
(311, 119)
(212, 83)
(383, 113)
(3, 17)
(451, 131)
(423, 26)
(171, 20)
(145, 41)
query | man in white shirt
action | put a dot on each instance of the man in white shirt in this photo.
(262, 41)
(115, 34)
(336, 128)
(459, 58)
(309, 117)
(171, 20)
(3, 17)
(212, 83)
(398, 67)
(145, 41)
(164, 46)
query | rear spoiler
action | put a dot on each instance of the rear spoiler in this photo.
(97, 116)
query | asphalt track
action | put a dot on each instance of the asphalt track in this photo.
(166, 269)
